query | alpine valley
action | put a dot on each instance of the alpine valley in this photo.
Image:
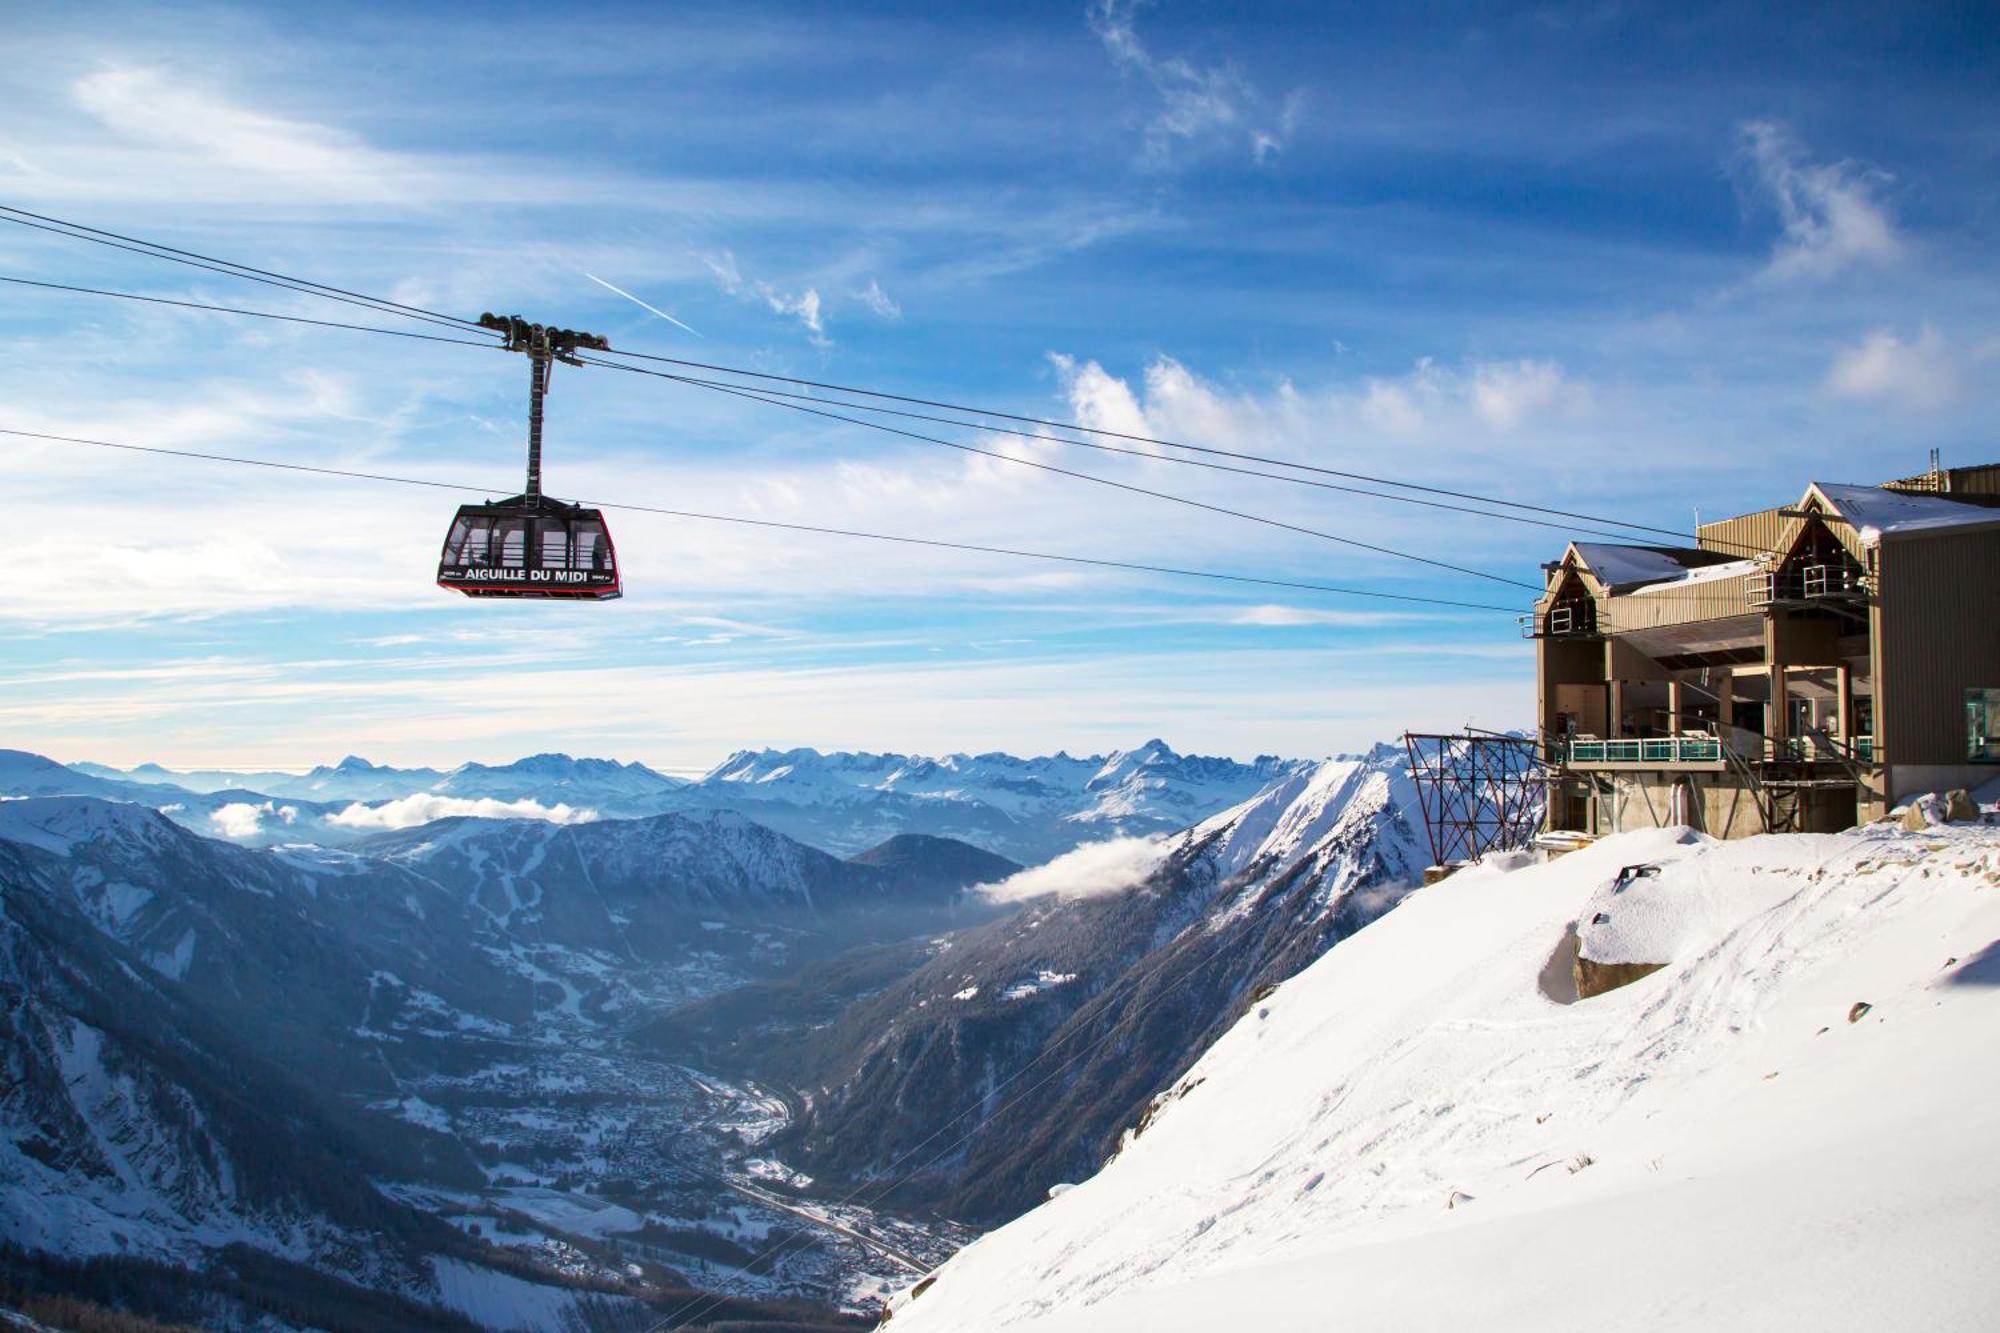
(572, 1044)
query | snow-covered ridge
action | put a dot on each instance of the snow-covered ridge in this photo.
(1411, 1133)
(59, 824)
(1026, 809)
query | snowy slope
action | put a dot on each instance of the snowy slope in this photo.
(1412, 1134)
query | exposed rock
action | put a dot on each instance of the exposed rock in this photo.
(1859, 1011)
(1923, 812)
(1960, 808)
(1594, 978)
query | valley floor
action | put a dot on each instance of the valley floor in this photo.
(1791, 1124)
(599, 1154)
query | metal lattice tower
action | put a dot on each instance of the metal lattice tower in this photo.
(1480, 791)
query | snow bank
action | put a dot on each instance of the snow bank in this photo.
(1714, 1146)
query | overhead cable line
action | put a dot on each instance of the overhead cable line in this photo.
(307, 286)
(228, 268)
(755, 396)
(775, 524)
(859, 407)
(239, 310)
(1045, 438)
(1150, 439)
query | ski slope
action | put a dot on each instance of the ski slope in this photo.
(1412, 1134)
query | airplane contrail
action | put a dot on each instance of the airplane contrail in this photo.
(641, 304)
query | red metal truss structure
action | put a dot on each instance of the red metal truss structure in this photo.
(1480, 791)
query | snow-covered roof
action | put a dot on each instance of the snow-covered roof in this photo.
(1728, 569)
(1625, 566)
(1877, 513)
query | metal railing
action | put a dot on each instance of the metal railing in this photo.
(1560, 621)
(1702, 748)
(1691, 748)
(1807, 583)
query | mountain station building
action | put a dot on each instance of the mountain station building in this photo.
(1802, 668)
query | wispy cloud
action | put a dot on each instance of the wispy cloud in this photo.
(1197, 104)
(1832, 214)
(878, 301)
(205, 129)
(804, 307)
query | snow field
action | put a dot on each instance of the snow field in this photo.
(1713, 1146)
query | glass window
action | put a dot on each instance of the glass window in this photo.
(1982, 725)
(510, 541)
(454, 542)
(552, 540)
(590, 547)
(474, 552)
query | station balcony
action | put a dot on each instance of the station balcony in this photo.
(1704, 751)
(1566, 620)
(1690, 750)
(1806, 585)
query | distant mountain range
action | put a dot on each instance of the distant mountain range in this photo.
(1027, 810)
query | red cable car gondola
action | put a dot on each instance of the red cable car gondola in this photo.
(531, 545)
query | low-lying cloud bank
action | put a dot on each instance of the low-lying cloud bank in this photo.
(1112, 866)
(240, 819)
(410, 811)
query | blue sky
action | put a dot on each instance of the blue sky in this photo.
(1631, 259)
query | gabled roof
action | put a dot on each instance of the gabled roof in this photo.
(1619, 568)
(1877, 513)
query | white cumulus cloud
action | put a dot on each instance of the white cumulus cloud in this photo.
(1883, 368)
(241, 819)
(1505, 394)
(1112, 866)
(410, 811)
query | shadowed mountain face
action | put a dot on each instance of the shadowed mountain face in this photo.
(212, 1046)
(1059, 1023)
(139, 1118)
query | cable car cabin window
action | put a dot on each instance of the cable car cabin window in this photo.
(589, 550)
(552, 543)
(471, 547)
(509, 543)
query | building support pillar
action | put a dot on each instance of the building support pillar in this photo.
(1844, 689)
(1778, 713)
(1676, 720)
(1614, 722)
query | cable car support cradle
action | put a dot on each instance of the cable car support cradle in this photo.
(531, 545)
